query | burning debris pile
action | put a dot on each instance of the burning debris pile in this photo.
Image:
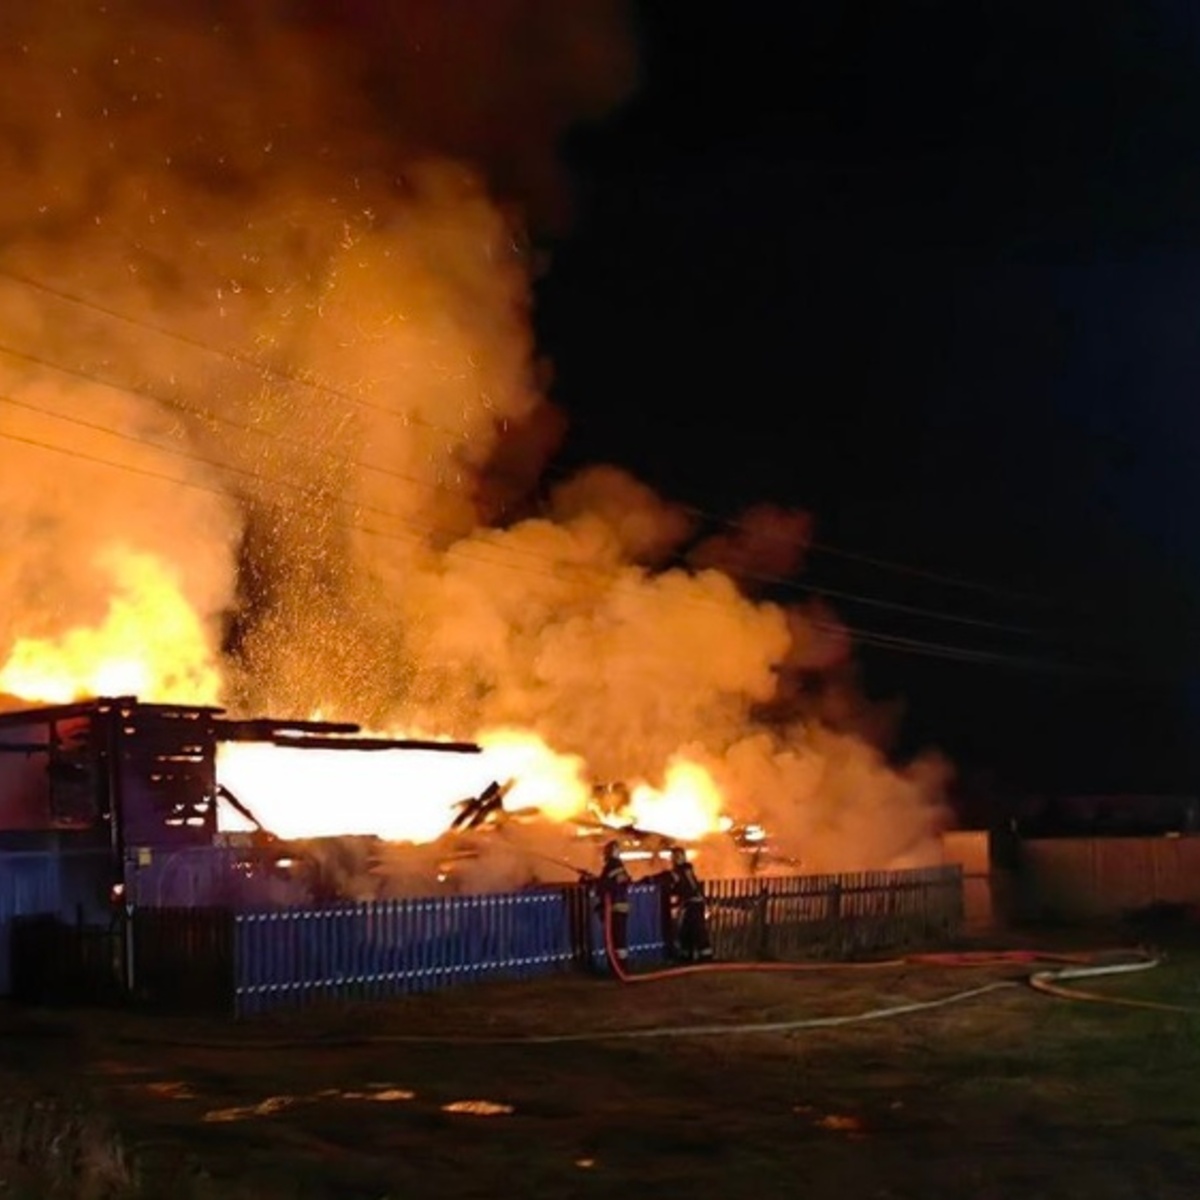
(273, 436)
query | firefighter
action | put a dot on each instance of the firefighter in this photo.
(684, 893)
(612, 890)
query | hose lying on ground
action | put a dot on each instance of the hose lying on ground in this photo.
(952, 958)
(594, 1035)
(1042, 981)
(1048, 983)
(1047, 980)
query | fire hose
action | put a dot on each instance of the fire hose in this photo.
(967, 958)
(1048, 983)
(1044, 981)
(1047, 980)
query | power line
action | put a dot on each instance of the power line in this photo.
(229, 355)
(791, 585)
(823, 547)
(898, 606)
(424, 528)
(867, 637)
(905, 645)
(206, 414)
(923, 573)
(257, 477)
(408, 418)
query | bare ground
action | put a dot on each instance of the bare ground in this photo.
(1009, 1093)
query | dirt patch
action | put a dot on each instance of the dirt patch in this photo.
(1007, 1093)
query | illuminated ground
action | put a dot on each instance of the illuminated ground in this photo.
(1011, 1094)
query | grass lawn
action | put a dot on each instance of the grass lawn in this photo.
(1009, 1093)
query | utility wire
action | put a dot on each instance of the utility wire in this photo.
(420, 528)
(230, 355)
(425, 529)
(897, 606)
(923, 573)
(408, 418)
(905, 645)
(205, 414)
(776, 580)
(824, 547)
(964, 654)
(869, 637)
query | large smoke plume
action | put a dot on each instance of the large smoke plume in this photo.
(264, 316)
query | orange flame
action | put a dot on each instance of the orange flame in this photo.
(412, 795)
(150, 643)
(687, 807)
(400, 795)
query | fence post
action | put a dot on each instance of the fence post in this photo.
(835, 900)
(761, 939)
(130, 981)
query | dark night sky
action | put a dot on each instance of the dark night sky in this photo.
(930, 270)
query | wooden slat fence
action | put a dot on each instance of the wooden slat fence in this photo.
(1101, 878)
(218, 959)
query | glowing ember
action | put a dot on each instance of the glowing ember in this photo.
(381, 1093)
(385, 1095)
(478, 1108)
(264, 1108)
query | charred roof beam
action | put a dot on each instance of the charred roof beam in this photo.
(327, 735)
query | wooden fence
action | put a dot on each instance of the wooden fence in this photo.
(245, 962)
(1097, 878)
(833, 916)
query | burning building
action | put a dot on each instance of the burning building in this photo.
(275, 438)
(137, 784)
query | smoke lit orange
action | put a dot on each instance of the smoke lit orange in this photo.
(272, 437)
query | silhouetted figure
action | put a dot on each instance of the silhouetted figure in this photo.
(685, 909)
(612, 901)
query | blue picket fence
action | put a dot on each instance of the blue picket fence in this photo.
(228, 957)
(645, 934)
(287, 957)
